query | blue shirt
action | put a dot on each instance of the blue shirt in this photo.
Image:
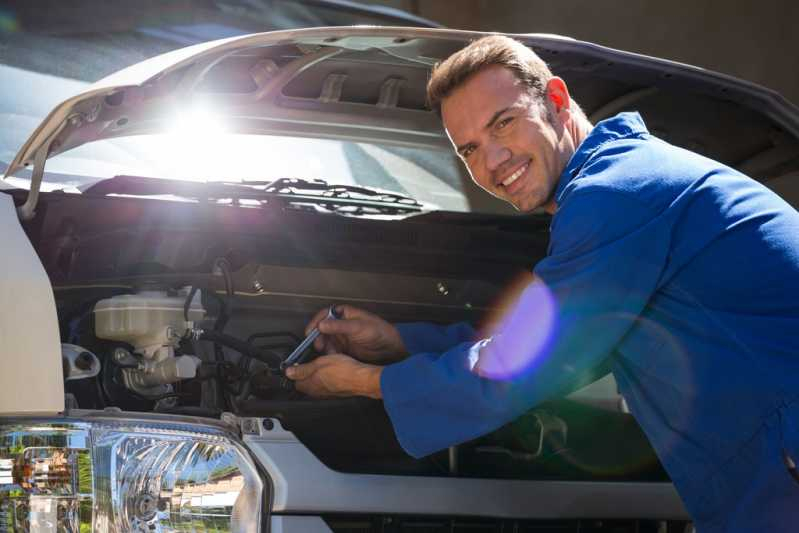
(683, 275)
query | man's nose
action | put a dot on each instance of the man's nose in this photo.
(496, 154)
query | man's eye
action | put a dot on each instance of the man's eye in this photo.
(504, 122)
(466, 152)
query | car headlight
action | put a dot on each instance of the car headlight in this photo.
(125, 476)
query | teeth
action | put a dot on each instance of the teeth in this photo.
(513, 177)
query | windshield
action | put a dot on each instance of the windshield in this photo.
(198, 148)
(43, 64)
(429, 176)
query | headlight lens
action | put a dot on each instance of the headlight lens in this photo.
(109, 476)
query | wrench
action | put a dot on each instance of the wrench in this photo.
(296, 357)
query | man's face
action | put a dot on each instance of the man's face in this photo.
(510, 147)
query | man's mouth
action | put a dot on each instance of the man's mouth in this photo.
(513, 177)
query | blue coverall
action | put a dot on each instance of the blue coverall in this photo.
(680, 272)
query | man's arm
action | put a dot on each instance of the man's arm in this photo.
(421, 337)
(607, 255)
(337, 375)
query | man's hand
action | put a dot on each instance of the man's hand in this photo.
(359, 333)
(336, 375)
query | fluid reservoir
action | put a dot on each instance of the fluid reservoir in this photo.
(148, 320)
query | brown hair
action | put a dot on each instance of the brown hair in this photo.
(492, 50)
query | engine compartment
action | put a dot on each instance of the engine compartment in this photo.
(189, 308)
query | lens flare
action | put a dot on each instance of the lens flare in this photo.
(523, 335)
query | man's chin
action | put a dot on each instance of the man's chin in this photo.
(524, 206)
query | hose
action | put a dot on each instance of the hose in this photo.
(271, 360)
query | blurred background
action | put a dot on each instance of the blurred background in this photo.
(756, 40)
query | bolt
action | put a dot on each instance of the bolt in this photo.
(442, 289)
(257, 286)
(268, 424)
(120, 354)
(249, 426)
(84, 361)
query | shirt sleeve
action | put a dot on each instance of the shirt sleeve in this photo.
(606, 255)
(421, 337)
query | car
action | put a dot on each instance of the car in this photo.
(170, 230)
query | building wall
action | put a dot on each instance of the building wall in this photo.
(757, 40)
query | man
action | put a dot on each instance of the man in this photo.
(679, 273)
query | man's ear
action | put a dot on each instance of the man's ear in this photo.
(558, 95)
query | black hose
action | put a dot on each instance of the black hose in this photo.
(187, 303)
(226, 304)
(240, 346)
(272, 334)
(222, 267)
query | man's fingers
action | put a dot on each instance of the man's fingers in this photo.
(319, 344)
(305, 387)
(326, 344)
(344, 326)
(301, 372)
(318, 317)
(346, 312)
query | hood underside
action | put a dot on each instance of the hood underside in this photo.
(368, 84)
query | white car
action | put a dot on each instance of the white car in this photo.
(169, 231)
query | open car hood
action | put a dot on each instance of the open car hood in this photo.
(368, 84)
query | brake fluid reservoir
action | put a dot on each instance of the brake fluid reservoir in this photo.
(148, 320)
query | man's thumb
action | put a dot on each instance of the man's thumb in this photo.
(339, 326)
(299, 372)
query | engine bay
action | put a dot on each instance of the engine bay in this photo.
(190, 309)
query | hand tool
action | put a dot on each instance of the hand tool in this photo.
(296, 357)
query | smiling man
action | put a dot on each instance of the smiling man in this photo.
(514, 143)
(645, 275)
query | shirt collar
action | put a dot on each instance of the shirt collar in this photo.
(622, 125)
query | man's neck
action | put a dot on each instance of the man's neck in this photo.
(577, 129)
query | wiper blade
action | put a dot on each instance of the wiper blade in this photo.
(320, 189)
(316, 195)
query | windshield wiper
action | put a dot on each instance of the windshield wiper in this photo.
(343, 199)
(286, 192)
(321, 192)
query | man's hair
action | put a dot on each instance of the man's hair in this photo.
(487, 51)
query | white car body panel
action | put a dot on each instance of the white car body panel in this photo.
(298, 524)
(30, 347)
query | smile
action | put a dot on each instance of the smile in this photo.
(513, 177)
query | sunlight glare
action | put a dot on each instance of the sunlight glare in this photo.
(195, 145)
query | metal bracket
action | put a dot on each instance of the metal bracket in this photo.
(27, 210)
(389, 92)
(250, 426)
(331, 90)
(79, 363)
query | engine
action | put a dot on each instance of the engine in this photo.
(160, 345)
(153, 323)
